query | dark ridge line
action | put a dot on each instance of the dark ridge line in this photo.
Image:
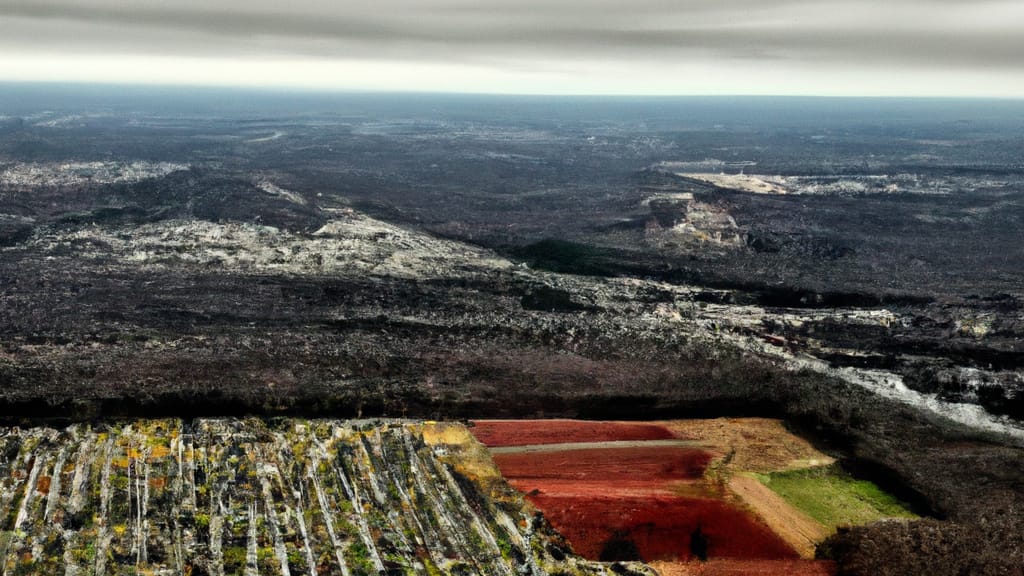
(567, 257)
(609, 407)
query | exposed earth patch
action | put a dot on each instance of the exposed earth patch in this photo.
(729, 492)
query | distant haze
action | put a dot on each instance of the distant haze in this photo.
(812, 47)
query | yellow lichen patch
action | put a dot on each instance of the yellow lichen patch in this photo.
(469, 458)
(158, 451)
(447, 433)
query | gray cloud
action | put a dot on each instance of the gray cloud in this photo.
(930, 34)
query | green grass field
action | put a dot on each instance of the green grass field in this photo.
(833, 497)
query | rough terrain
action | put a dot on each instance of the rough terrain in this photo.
(441, 257)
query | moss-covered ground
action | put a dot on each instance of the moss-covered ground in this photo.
(831, 496)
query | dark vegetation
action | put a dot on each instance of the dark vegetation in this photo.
(559, 187)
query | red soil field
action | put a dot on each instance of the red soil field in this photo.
(659, 527)
(639, 501)
(621, 488)
(495, 433)
(652, 465)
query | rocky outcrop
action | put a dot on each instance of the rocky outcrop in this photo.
(679, 218)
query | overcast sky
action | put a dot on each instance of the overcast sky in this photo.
(817, 47)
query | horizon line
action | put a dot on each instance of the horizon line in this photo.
(337, 91)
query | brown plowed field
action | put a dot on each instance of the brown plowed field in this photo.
(493, 433)
(800, 530)
(730, 567)
(754, 444)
